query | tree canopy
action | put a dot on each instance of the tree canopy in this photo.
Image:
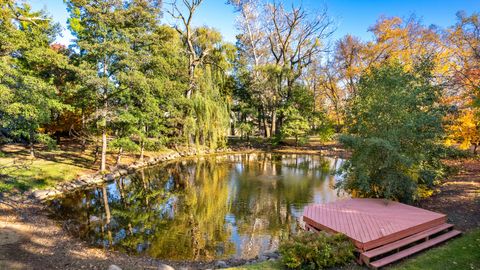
(395, 126)
(132, 81)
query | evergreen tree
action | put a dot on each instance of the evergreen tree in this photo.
(29, 97)
(111, 37)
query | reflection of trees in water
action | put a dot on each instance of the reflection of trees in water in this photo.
(199, 210)
(198, 231)
(267, 188)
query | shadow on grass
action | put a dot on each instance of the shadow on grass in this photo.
(8, 183)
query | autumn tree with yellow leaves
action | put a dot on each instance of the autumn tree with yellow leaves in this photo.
(463, 41)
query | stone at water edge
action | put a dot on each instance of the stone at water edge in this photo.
(40, 194)
(272, 255)
(221, 264)
(163, 266)
(262, 258)
(114, 267)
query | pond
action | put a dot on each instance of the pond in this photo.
(216, 207)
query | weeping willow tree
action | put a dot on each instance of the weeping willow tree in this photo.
(209, 65)
(208, 118)
(211, 108)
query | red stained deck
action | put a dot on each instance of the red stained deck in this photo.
(371, 223)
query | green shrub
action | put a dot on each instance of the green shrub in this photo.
(395, 128)
(302, 141)
(295, 125)
(308, 250)
(46, 140)
(324, 130)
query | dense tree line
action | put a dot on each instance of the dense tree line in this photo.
(126, 81)
(130, 82)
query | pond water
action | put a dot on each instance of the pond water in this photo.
(235, 206)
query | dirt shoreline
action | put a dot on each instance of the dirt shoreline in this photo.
(30, 240)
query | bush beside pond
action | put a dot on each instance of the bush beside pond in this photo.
(308, 250)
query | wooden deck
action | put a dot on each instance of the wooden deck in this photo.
(379, 227)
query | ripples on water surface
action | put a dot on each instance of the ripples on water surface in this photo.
(202, 209)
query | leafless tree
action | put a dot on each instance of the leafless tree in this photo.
(296, 38)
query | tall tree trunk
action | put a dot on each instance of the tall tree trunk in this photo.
(119, 156)
(279, 124)
(273, 130)
(32, 149)
(103, 163)
(104, 150)
(265, 126)
(259, 119)
(84, 138)
(232, 128)
(265, 123)
(191, 75)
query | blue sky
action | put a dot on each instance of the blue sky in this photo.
(351, 17)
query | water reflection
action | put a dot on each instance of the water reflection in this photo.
(203, 209)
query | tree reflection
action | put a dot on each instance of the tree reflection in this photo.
(218, 207)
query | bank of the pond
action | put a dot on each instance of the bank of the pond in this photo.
(31, 240)
(99, 178)
(88, 180)
(206, 208)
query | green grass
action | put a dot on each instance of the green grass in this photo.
(462, 253)
(19, 172)
(34, 174)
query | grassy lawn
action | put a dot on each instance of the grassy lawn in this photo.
(35, 174)
(19, 172)
(462, 253)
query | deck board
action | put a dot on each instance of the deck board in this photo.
(371, 222)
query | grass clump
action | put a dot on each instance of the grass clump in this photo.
(308, 250)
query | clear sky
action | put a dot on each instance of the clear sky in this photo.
(350, 16)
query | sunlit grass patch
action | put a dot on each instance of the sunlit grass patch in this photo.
(18, 171)
(23, 174)
(461, 253)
